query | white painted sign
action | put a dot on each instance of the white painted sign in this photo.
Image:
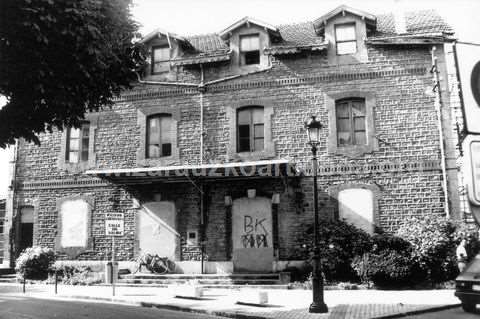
(469, 69)
(471, 145)
(114, 224)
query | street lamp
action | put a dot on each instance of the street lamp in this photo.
(318, 305)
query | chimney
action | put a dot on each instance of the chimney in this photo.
(399, 17)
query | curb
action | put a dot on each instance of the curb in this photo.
(420, 311)
(233, 314)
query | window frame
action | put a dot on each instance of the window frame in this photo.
(351, 150)
(354, 40)
(142, 114)
(147, 138)
(268, 151)
(351, 120)
(81, 147)
(77, 167)
(153, 62)
(242, 53)
(252, 125)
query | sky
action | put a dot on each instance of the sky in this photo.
(187, 17)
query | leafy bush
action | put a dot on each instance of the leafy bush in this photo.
(387, 268)
(340, 242)
(78, 275)
(433, 246)
(35, 263)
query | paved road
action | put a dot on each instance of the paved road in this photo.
(456, 313)
(18, 307)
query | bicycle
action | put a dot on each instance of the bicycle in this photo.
(154, 263)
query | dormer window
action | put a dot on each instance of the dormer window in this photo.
(160, 59)
(345, 38)
(249, 49)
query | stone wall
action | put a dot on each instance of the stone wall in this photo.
(405, 129)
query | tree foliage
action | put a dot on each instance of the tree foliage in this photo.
(59, 59)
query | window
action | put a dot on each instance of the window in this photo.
(351, 122)
(78, 140)
(160, 59)
(249, 49)
(250, 129)
(345, 38)
(160, 136)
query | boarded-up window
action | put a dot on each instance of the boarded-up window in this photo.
(250, 129)
(351, 122)
(356, 206)
(74, 223)
(345, 38)
(78, 140)
(249, 49)
(160, 135)
(160, 59)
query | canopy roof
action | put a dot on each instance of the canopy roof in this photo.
(239, 170)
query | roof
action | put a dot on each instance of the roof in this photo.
(245, 20)
(370, 18)
(158, 32)
(425, 21)
(141, 175)
(302, 36)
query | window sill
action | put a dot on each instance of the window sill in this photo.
(353, 150)
(160, 161)
(76, 168)
(253, 156)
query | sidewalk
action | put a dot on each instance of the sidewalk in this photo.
(290, 304)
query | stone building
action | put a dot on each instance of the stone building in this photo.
(206, 159)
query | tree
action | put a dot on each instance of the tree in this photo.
(59, 59)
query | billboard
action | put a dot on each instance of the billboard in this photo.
(468, 63)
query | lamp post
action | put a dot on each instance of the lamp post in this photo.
(318, 305)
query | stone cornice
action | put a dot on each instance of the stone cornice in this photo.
(301, 80)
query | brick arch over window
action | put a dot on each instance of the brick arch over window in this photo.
(347, 197)
(233, 150)
(367, 131)
(143, 115)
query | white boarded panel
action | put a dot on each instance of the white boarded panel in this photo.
(356, 207)
(74, 219)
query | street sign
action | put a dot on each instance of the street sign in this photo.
(114, 224)
(472, 168)
(468, 57)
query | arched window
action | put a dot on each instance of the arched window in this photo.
(160, 136)
(250, 129)
(351, 122)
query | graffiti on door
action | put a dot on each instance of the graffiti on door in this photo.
(255, 233)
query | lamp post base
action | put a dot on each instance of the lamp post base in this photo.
(318, 308)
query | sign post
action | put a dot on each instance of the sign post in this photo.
(114, 226)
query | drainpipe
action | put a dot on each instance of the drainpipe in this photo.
(438, 107)
(201, 89)
(9, 237)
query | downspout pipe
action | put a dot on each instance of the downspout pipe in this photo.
(438, 107)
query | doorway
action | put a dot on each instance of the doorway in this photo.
(25, 239)
(252, 235)
(156, 230)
